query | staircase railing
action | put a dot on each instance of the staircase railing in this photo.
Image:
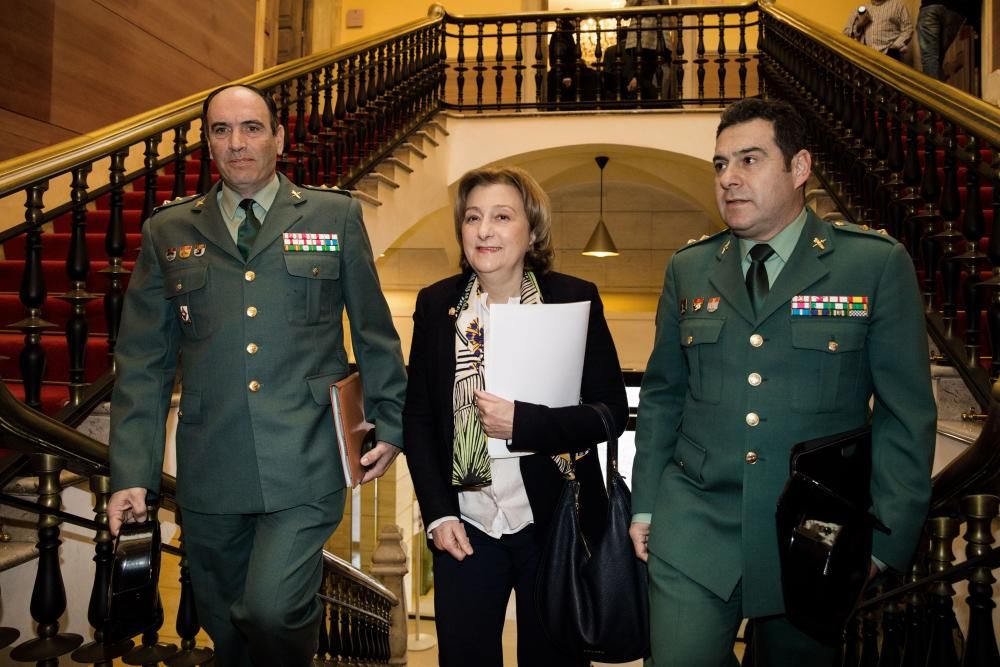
(344, 110)
(361, 613)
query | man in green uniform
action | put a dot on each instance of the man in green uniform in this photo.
(738, 375)
(247, 284)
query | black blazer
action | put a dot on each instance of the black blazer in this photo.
(428, 420)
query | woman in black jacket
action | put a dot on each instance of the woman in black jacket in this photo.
(488, 516)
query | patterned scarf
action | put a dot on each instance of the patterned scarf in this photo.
(471, 462)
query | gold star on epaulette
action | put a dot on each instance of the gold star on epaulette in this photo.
(691, 241)
(840, 223)
(200, 203)
(864, 228)
(883, 232)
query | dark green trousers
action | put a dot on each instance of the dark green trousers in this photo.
(692, 627)
(255, 579)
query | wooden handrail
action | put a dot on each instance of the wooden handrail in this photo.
(45, 163)
(972, 113)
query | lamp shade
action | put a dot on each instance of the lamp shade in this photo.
(600, 243)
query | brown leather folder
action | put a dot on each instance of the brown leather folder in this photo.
(355, 435)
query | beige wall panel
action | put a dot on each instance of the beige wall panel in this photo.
(74, 67)
(106, 68)
(221, 38)
(22, 134)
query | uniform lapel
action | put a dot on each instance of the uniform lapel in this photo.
(284, 212)
(804, 267)
(727, 277)
(210, 222)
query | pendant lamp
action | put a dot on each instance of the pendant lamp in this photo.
(600, 243)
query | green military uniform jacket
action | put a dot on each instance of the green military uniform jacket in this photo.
(726, 394)
(259, 344)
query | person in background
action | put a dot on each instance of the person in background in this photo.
(740, 373)
(225, 284)
(650, 47)
(883, 25)
(938, 24)
(488, 517)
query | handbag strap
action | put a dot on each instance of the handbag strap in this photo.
(607, 419)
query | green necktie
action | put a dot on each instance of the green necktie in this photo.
(247, 232)
(757, 285)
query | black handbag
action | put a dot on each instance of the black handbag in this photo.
(825, 532)
(133, 594)
(593, 598)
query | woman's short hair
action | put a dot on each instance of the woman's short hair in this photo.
(540, 254)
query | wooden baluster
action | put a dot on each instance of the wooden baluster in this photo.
(336, 632)
(917, 617)
(32, 295)
(204, 162)
(678, 57)
(179, 159)
(981, 647)
(340, 116)
(371, 98)
(389, 566)
(852, 643)
(911, 201)
(499, 67)
(519, 65)
(949, 237)
(283, 103)
(327, 135)
(869, 639)
(323, 645)
(314, 128)
(993, 253)
(300, 133)
(151, 156)
(892, 630)
(351, 106)
(973, 228)
(399, 85)
(97, 651)
(460, 68)
(700, 50)
(722, 60)
(114, 245)
(944, 633)
(361, 113)
(77, 269)
(382, 121)
(48, 597)
(742, 59)
(187, 624)
(479, 68)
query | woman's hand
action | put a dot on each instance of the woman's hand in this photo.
(495, 414)
(450, 536)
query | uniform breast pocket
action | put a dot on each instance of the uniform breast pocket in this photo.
(313, 285)
(828, 363)
(187, 289)
(700, 340)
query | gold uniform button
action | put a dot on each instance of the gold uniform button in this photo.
(832, 346)
(315, 271)
(751, 457)
(179, 287)
(250, 276)
(752, 419)
(254, 386)
(754, 379)
(690, 340)
(252, 348)
(251, 311)
(756, 340)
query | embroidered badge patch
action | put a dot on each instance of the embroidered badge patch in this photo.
(199, 250)
(171, 254)
(829, 306)
(308, 242)
(184, 252)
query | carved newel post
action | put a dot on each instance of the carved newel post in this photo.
(389, 565)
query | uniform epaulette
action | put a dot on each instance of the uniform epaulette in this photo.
(704, 237)
(167, 203)
(328, 188)
(843, 226)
